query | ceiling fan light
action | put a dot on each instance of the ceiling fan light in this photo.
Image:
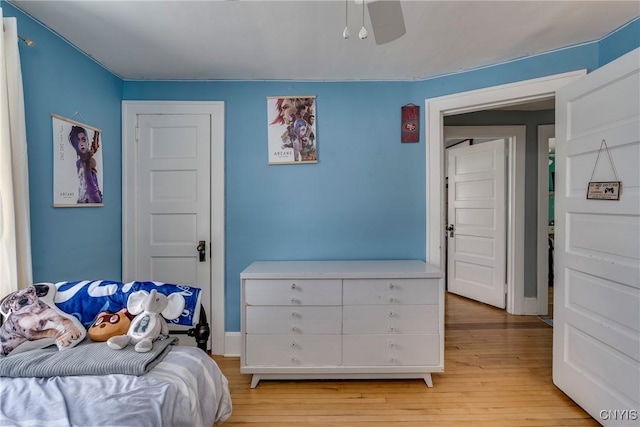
(363, 34)
(363, 31)
(346, 33)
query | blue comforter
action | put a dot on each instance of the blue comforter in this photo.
(85, 299)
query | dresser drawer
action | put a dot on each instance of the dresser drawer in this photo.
(391, 350)
(294, 320)
(341, 319)
(293, 292)
(396, 319)
(293, 350)
(390, 291)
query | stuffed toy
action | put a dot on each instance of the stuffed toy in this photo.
(32, 320)
(151, 310)
(108, 324)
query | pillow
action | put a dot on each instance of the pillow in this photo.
(109, 325)
(86, 299)
(32, 320)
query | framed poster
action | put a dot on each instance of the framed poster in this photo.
(77, 164)
(291, 130)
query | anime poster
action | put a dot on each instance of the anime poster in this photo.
(77, 163)
(291, 130)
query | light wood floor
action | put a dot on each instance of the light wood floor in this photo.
(497, 373)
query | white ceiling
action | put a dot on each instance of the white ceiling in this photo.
(302, 39)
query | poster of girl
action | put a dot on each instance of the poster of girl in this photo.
(291, 129)
(77, 163)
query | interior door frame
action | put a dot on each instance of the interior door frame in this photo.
(465, 102)
(130, 111)
(544, 133)
(516, 149)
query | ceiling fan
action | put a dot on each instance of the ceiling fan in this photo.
(387, 21)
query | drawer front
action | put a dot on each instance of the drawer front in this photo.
(391, 350)
(293, 350)
(394, 319)
(293, 292)
(294, 320)
(390, 291)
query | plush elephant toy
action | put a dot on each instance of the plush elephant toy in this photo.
(151, 310)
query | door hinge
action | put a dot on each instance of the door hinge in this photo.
(137, 130)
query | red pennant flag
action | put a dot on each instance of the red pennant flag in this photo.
(410, 123)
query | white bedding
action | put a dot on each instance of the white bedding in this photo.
(186, 389)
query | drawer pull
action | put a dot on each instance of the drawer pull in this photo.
(391, 314)
(293, 313)
(293, 344)
(294, 329)
(295, 301)
(391, 286)
(391, 345)
(392, 360)
(391, 299)
(293, 286)
(294, 360)
(392, 329)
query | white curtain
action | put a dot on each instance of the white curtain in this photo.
(15, 234)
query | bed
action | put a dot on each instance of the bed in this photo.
(91, 385)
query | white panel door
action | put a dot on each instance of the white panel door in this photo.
(173, 204)
(596, 342)
(476, 257)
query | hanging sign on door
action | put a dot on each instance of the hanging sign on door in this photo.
(604, 190)
(600, 190)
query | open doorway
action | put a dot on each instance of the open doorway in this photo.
(489, 253)
(546, 221)
(595, 290)
(485, 99)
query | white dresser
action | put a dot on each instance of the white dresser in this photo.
(342, 320)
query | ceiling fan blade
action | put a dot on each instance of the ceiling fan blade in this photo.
(387, 21)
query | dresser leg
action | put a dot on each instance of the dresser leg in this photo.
(427, 380)
(256, 379)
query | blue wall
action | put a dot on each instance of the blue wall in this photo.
(584, 56)
(69, 243)
(364, 199)
(619, 42)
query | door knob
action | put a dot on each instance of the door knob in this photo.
(450, 229)
(202, 250)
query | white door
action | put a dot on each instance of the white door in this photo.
(165, 164)
(476, 235)
(173, 204)
(596, 342)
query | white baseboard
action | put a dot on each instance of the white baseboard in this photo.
(530, 306)
(232, 344)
